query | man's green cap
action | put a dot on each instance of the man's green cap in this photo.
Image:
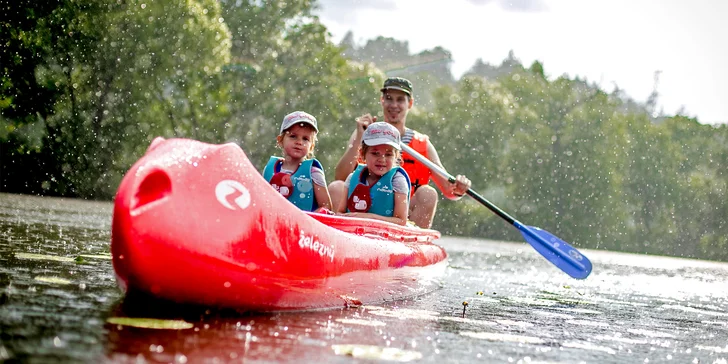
(398, 83)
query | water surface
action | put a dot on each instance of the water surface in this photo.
(59, 300)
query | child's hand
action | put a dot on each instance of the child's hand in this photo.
(363, 122)
(325, 211)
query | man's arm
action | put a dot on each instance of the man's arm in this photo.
(451, 191)
(348, 161)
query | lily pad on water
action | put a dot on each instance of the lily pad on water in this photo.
(54, 280)
(96, 256)
(43, 257)
(148, 323)
(376, 352)
(84, 258)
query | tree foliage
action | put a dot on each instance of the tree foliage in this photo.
(86, 85)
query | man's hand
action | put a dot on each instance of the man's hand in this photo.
(348, 161)
(461, 185)
(363, 122)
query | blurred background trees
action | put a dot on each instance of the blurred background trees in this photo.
(86, 85)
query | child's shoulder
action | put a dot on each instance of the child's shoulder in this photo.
(401, 178)
(315, 165)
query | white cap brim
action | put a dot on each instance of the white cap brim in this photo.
(298, 121)
(382, 141)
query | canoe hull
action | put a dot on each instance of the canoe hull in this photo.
(196, 223)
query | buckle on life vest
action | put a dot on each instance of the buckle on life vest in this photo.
(282, 183)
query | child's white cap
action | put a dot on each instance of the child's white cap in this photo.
(381, 133)
(298, 117)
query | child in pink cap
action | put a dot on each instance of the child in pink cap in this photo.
(379, 188)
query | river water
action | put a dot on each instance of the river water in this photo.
(59, 300)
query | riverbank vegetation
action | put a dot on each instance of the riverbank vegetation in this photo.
(86, 86)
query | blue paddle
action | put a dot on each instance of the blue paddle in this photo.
(555, 250)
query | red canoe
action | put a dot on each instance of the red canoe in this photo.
(196, 223)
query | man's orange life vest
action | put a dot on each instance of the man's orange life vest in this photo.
(418, 173)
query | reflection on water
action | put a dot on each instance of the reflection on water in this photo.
(59, 302)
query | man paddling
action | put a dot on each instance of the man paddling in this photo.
(396, 101)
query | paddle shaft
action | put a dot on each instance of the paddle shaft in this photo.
(435, 168)
(557, 251)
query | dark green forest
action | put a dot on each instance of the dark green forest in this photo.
(87, 84)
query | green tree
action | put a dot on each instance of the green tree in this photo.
(292, 65)
(557, 154)
(106, 61)
(650, 186)
(698, 193)
(470, 126)
(427, 70)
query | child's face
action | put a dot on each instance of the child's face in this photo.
(298, 141)
(380, 159)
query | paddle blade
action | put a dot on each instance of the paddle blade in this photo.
(557, 251)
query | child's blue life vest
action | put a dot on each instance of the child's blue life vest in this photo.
(378, 198)
(301, 193)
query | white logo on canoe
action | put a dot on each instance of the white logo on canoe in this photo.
(309, 242)
(232, 194)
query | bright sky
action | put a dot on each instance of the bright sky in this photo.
(609, 42)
